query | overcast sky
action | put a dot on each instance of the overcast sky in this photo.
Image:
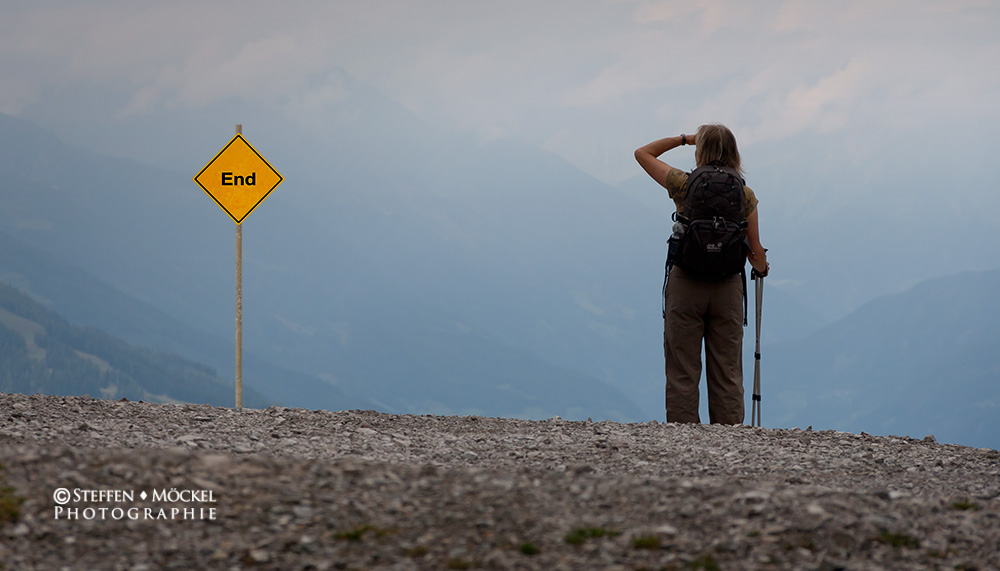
(588, 80)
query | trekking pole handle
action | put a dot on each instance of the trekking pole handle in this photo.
(754, 274)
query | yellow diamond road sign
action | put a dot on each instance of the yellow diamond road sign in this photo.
(238, 178)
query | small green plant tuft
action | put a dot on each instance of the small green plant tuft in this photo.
(530, 549)
(898, 540)
(357, 534)
(705, 562)
(10, 505)
(353, 534)
(380, 532)
(646, 542)
(457, 563)
(581, 534)
(965, 505)
(418, 551)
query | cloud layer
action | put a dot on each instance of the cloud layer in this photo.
(589, 83)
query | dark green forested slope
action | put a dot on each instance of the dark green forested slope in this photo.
(41, 352)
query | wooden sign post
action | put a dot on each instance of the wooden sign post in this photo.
(238, 179)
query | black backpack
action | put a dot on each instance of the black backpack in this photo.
(714, 242)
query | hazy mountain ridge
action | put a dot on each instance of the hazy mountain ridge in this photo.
(355, 325)
(506, 387)
(920, 362)
(297, 304)
(83, 299)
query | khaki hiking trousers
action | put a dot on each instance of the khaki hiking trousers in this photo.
(713, 311)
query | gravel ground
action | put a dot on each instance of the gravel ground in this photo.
(296, 489)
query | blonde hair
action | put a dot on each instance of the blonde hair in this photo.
(715, 143)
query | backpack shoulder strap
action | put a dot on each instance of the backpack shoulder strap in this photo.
(746, 307)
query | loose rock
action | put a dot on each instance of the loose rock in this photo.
(296, 489)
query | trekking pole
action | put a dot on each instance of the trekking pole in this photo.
(755, 409)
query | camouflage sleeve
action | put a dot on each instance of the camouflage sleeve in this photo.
(676, 184)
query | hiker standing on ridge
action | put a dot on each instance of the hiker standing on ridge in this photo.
(705, 290)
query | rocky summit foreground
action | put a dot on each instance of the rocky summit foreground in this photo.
(96, 484)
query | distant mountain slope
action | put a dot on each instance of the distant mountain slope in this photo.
(40, 352)
(422, 295)
(514, 383)
(83, 299)
(926, 361)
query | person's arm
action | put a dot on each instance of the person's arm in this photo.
(756, 255)
(654, 167)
